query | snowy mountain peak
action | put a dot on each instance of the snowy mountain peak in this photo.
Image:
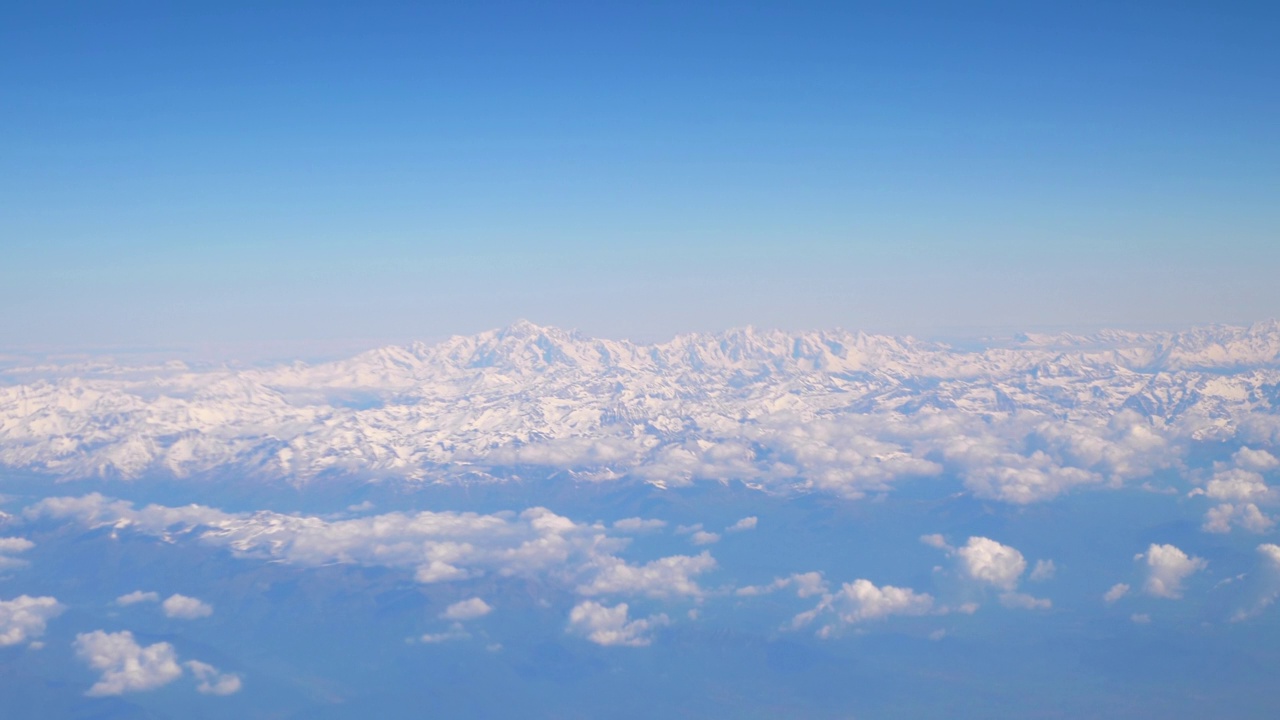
(836, 411)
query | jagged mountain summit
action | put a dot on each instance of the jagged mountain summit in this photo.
(841, 412)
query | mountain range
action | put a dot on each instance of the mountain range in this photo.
(822, 411)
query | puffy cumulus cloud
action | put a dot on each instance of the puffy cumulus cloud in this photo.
(1043, 570)
(1221, 518)
(702, 537)
(10, 546)
(806, 585)
(435, 546)
(138, 596)
(746, 523)
(182, 607)
(988, 561)
(126, 666)
(1167, 568)
(209, 681)
(665, 577)
(1255, 460)
(1022, 601)
(1237, 485)
(605, 625)
(469, 609)
(861, 601)
(636, 524)
(1116, 592)
(24, 618)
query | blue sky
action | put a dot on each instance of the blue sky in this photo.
(255, 177)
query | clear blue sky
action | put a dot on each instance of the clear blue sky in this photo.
(244, 175)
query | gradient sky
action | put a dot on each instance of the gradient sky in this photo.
(261, 177)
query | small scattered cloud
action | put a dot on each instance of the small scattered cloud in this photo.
(635, 524)
(862, 601)
(1236, 484)
(467, 610)
(138, 596)
(1116, 592)
(182, 607)
(607, 626)
(209, 681)
(1222, 518)
(806, 585)
(988, 561)
(665, 577)
(24, 618)
(126, 666)
(702, 537)
(14, 545)
(937, 541)
(746, 523)
(1255, 460)
(1043, 570)
(10, 546)
(1022, 601)
(1167, 568)
(1140, 618)
(455, 632)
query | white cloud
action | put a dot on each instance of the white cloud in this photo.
(185, 608)
(1022, 601)
(860, 601)
(25, 617)
(988, 561)
(746, 523)
(10, 546)
(1116, 592)
(636, 524)
(1237, 485)
(1044, 570)
(467, 610)
(435, 546)
(138, 596)
(212, 682)
(1270, 552)
(702, 537)
(937, 541)
(664, 577)
(1221, 518)
(1167, 568)
(1270, 558)
(1255, 460)
(125, 665)
(605, 625)
(1140, 618)
(806, 585)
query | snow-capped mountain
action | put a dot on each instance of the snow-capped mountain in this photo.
(848, 413)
